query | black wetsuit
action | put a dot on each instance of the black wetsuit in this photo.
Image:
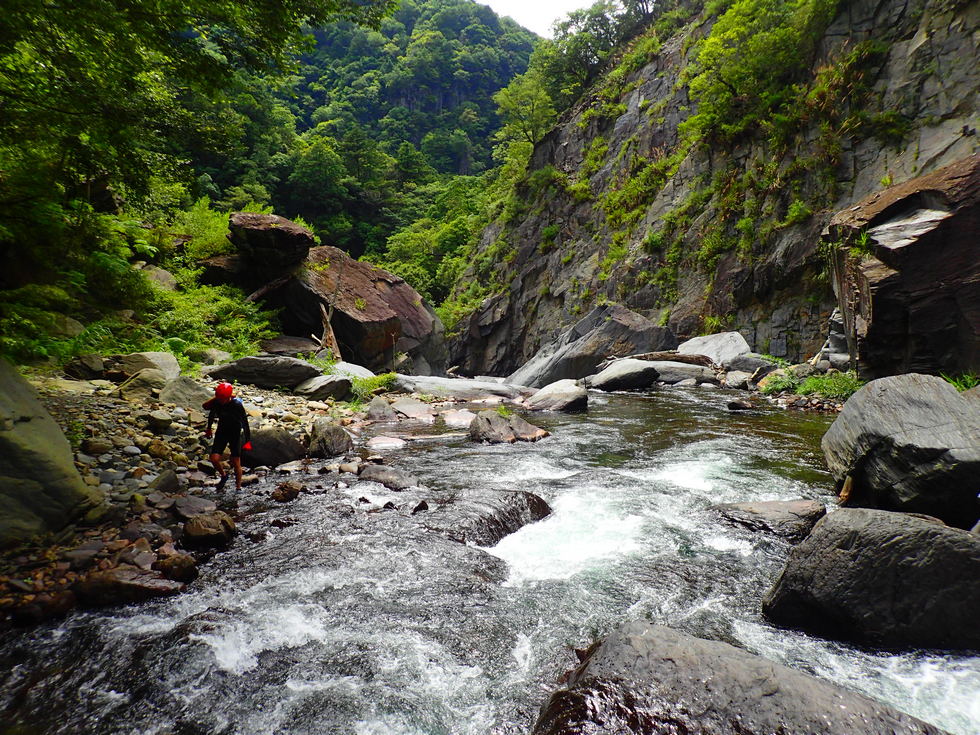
(232, 423)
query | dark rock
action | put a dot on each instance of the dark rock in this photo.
(420, 508)
(287, 491)
(790, 519)
(124, 585)
(272, 447)
(179, 567)
(290, 346)
(265, 371)
(611, 330)
(268, 241)
(380, 410)
(562, 395)
(645, 678)
(883, 578)
(720, 348)
(627, 374)
(46, 606)
(739, 406)
(40, 489)
(389, 506)
(752, 364)
(910, 300)
(908, 442)
(328, 439)
(388, 476)
(490, 426)
(188, 506)
(484, 517)
(85, 367)
(209, 530)
(322, 387)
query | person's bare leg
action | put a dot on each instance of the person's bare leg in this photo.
(222, 475)
(236, 462)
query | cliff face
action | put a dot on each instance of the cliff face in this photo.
(619, 206)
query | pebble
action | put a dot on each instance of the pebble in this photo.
(133, 451)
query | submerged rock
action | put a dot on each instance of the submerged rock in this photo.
(883, 578)
(646, 678)
(391, 478)
(124, 585)
(485, 517)
(492, 427)
(790, 519)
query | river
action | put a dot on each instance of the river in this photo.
(329, 615)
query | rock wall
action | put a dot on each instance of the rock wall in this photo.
(774, 286)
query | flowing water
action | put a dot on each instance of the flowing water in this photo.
(329, 617)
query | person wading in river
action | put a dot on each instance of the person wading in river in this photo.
(232, 424)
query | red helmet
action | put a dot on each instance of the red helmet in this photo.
(223, 390)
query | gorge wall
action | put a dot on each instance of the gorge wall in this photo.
(622, 205)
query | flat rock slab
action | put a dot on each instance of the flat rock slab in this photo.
(385, 442)
(189, 506)
(411, 408)
(884, 578)
(789, 519)
(674, 372)
(484, 517)
(124, 585)
(459, 389)
(265, 372)
(458, 419)
(646, 678)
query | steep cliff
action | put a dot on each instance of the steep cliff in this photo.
(635, 199)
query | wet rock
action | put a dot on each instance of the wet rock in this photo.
(739, 406)
(390, 477)
(908, 442)
(179, 566)
(380, 410)
(381, 443)
(45, 606)
(883, 578)
(124, 585)
(420, 508)
(646, 678)
(484, 517)
(265, 371)
(322, 387)
(490, 426)
(188, 506)
(627, 374)
(610, 330)
(721, 348)
(411, 408)
(327, 439)
(273, 446)
(287, 491)
(458, 419)
(209, 530)
(675, 372)
(185, 392)
(562, 395)
(525, 432)
(789, 519)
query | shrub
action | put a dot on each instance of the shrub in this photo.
(364, 388)
(962, 382)
(831, 385)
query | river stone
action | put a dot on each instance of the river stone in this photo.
(287, 491)
(388, 476)
(645, 678)
(460, 389)
(484, 517)
(676, 372)
(265, 371)
(159, 421)
(135, 362)
(882, 578)
(737, 379)
(166, 482)
(327, 439)
(209, 530)
(185, 392)
(349, 369)
(180, 567)
(411, 408)
(321, 387)
(525, 432)
(143, 387)
(458, 419)
(908, 442)
(562, 395)
(380, 410)
(123, 585)
(273, 446)
(790, 519)
(749, 363)
(628, 374)
(721, 348)
(380, 443)
(490, 426)
(40, 489)
(188, 506)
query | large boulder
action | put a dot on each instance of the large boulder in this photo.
(321, 387)
(328, 439)
(144, 387)
(493, 428)
(374, 313)
(461, 389)
(905, 265)
(721, 348)
(607, 331)
(268, 240)
(908, 442)
(484, 517)
(289, 346)
(646, 678)
(882, 578)
(562, 395)
(134, 362)
(265, 371)
(40, 489)
(273, 446)
(628, 374)
(789, 519)
(669, 371)
(185, 392)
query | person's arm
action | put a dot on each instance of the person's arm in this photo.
(211, 414)
(246, 430)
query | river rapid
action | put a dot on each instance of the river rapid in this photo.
(330, 615)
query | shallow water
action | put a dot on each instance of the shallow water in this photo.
(358, 622)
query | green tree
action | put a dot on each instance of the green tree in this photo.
(526, 109)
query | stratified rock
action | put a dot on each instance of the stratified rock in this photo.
(390, 477)
(134, 362)
(910, 299)
(484, 517)
(908, 442)
(185, 392)
(562, 395)
(460, 389)
(883, 578)
(721, 348)
(327, 439)
(270, 241)
(40, 489)
(209, 530)
(265, 371)
(321, 387)
(380, 410)
(625, 374)
(607, 331)
(790, 519)
(645, 678)
(273, 446)
(143, 387)
(123, 585)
